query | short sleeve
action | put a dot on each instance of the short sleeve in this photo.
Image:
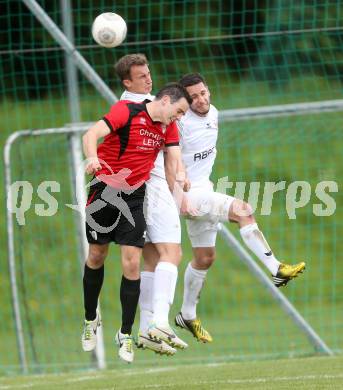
(172, 135)
(117, 117)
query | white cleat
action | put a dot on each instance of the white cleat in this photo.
(167, 334)
(125, 343)
(88, 338)
(159, 346)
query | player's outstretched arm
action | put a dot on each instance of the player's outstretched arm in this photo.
(90, 141)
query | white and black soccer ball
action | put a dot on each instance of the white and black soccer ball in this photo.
(109, 29)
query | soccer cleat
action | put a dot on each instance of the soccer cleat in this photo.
(287, 272)
(125, 343)
(88, 338)
(166, 334)
(195, 327)
(158, 346)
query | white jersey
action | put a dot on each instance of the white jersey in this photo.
(198, 139)
(158, 169)
(136, 97)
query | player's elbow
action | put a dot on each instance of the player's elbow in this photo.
(88, 134)
(90, 138)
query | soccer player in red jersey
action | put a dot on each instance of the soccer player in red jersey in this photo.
(133, 135)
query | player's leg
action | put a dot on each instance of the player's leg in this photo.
(129, 295)
(194, 279)
(202, 234)
(165, 278)
(221, 207)
(150, 257)
(131, 240)
(241, 212)
(152, 205)
(98, 239)
(164, 231)
(144, 340)
(92, 282)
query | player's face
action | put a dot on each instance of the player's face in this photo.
(201, 98)
(173, 111)
(140, 81)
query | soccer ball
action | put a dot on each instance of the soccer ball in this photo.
(109, 29)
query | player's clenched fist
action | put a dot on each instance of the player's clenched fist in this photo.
(93, 166)
(187, 209)
(186, 185)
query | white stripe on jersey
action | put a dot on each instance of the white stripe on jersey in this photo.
(198, 139)
(158, 169)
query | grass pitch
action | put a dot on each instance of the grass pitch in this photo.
(306, 373)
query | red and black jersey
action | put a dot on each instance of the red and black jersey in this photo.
(134, 141)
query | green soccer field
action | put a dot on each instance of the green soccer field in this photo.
(307, 373)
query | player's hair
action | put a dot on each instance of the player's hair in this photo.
(124, 64)
(191, 79)
(175, 91)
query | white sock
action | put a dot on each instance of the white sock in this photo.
(255, 241)
(145, 300)
(193, 281)
(164, 291)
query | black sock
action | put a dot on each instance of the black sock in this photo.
(92, 283)
(129, 295)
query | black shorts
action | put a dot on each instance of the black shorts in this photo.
(113, 216)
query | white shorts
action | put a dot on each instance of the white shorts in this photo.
(213, 207)
(161, 213)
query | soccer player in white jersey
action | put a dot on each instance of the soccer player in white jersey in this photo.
(199, 131)
(162, 251)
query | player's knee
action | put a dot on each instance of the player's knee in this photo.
(131, 270)
(97, 256)
(171, 253)
(205, 260)
(177, 256)
(150, 264)
(131, 265)
(241, 211)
